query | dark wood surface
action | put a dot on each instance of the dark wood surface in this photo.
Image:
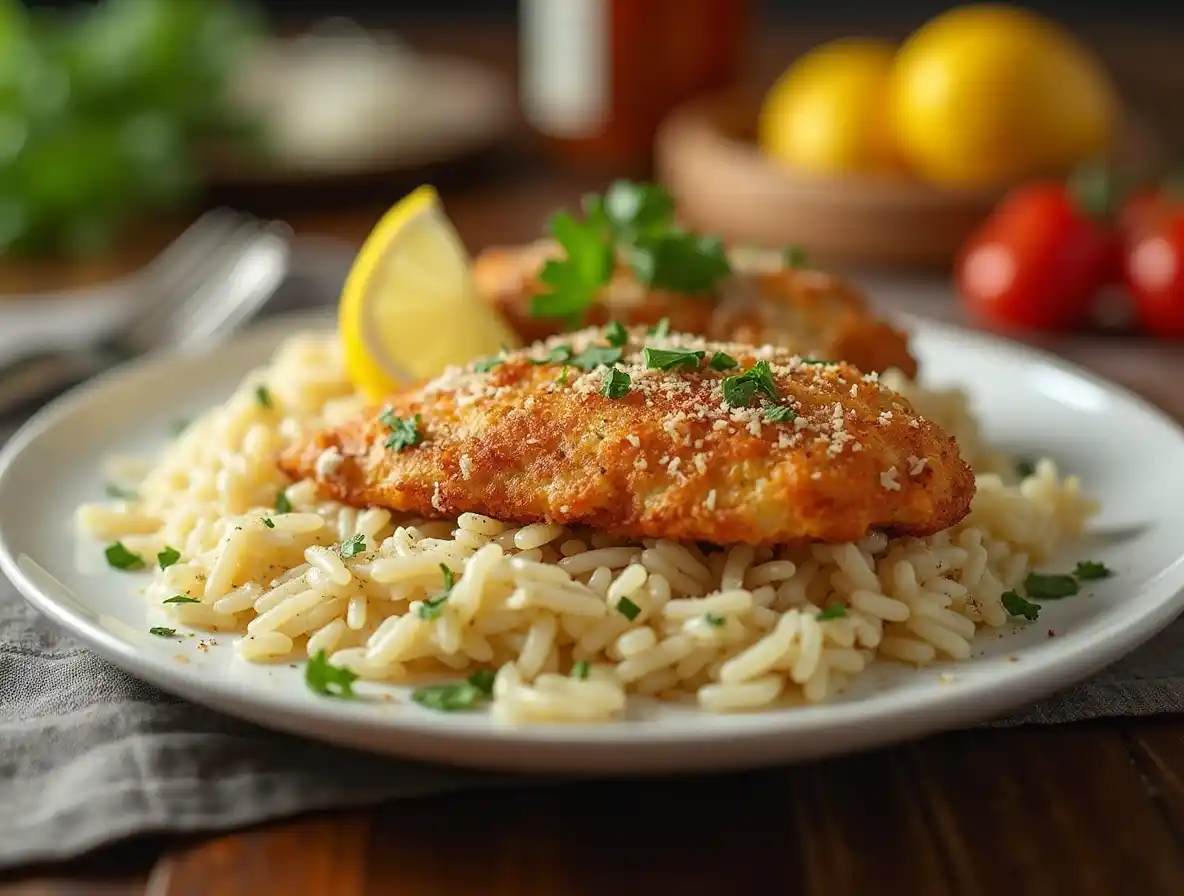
(1091, 808)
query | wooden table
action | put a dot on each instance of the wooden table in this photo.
(1092, 808)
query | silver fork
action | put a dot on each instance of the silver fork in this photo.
(206, 284)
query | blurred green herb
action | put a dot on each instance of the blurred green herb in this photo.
(104, 111)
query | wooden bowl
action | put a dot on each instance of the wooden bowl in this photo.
(706, 156)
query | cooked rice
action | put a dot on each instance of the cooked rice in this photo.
(734, 628)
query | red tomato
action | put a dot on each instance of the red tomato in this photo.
(1154, 274)
(1038, 261)
(1149, 207)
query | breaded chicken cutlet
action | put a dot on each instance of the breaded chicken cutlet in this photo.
(649, 436)
(807, 312)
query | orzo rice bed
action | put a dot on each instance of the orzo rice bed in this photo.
(734, 628)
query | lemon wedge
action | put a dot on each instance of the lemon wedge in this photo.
(409, 308)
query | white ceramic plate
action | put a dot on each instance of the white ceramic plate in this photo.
(1129, 455)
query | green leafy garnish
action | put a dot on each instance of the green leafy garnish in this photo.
(168, 557)
(636, 222)
(615, 334)
(122, 494)
(263, 396)
(484, 365)
(1088, 570)
(182, 599)
(834, 611)
(282, 504)
(596, 356)
(780, 414)
(432, 607)
(580, 669)
(679, 261)
(1025, 468)
(794, 257)
(714, 620)
(661, 329)
(352, 547)
(460, 695)
(616, 384)
(723, 361)
(561, 380)
(669, 358)
(268, 522)
(404, 433)
(328, 680)
(825, 362)
(1018, 606)
(161, 632)
(1054, 586)
(120, 557)
(738, 390)
(628, 608)
(560, 354)
(572, 281)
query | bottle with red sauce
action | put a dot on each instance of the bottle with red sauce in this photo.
(599, 76)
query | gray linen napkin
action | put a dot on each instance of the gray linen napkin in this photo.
(89, 755)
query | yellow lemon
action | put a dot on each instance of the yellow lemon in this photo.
(989, 94)
(826, 114)
(408, 308)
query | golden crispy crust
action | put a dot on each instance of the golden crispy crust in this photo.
(667, 460)
(807, 312)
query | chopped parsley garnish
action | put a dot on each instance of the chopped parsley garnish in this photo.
(484, 365)
(179, 426)
(561, 380)
(628, 608)
(738, 390)
(723, 361)
(1017, 606)
(834, 611)
(161, 632)
(616, 384)
(432, 607)
(580, 669)
(615, 334)
(461, 695)
(1088, 570)
(120, 557)
(268, 522)
(714, 620)
(329, 680)
(661, 329)
(670, 358)
(168, 557)
(794, 257)
(404, 433)
(122, 494)
(596, 356)
(353, 546)
(780, 414)
(282, 504)
(182, 599)
(1025, 468)
(560, 354)
(825, 362)
(263, 396)
(1054, 586)
(635, 221)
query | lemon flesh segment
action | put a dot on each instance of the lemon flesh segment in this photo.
(409, 309)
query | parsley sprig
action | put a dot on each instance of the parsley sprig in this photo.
(432, 607)
(633, 221)
(404, 433)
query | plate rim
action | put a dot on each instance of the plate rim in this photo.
(746, 740)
